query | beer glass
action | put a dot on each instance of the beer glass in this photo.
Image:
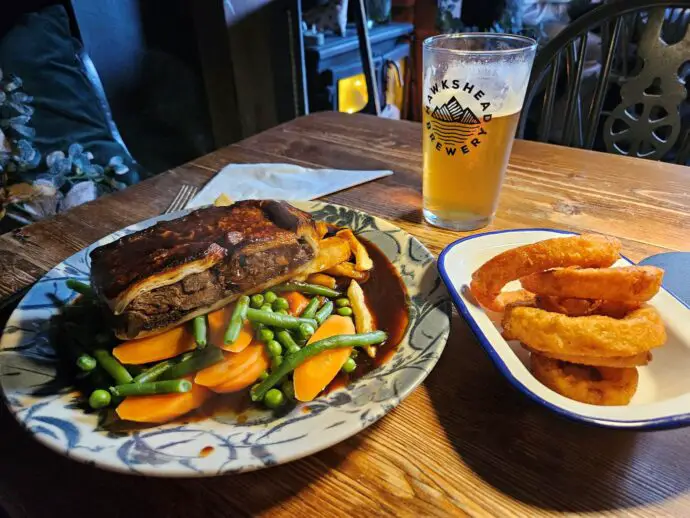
(474, 87)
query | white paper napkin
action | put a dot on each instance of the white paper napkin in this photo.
(279, 182)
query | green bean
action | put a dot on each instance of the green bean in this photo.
(86, 362)
(285, 338)
(276, 320)
(270, 297)
(341, 303)
(112, 367)
(195, 362)
(293, 361)
(264, 375)
(311, 308)
(283, 312)
(80, 287)
(237, 319)
(152, 388)
(200, 331)
(310, 289)
(267, 307)
(324, 312)
(99, 398)
(344, 312)
(257, 300)
(154, 372)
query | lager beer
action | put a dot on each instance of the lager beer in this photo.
(474, 86)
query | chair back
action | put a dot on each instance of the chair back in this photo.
(629, 98)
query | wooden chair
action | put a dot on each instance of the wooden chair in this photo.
(645, 50)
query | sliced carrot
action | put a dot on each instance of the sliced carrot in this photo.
(155, 348)
(218, 323)
(241, 376)
(316, 373)
(243, 341)
(163, 407)
(297, 302)
(224, 371)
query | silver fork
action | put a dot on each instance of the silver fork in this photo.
(182, 198)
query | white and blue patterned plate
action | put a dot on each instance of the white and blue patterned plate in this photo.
(48, 410)
(662, 399)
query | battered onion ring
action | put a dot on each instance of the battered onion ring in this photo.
(593, 385)
(584, 307)
(597, 361)
(626, 284)
(594, 335)
(587, 251)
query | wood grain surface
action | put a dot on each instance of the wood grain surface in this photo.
(465, 442)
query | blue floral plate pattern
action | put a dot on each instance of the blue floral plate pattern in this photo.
(48, 407)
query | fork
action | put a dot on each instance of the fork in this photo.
(183, 196)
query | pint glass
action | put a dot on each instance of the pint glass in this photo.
(474, 87)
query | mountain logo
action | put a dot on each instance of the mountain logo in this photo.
(451, 127)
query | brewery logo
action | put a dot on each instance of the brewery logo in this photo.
(452, 127)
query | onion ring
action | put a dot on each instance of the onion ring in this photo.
(586, 250)
(626, 284)
(593, 335)
(618, 362)
(584, 307)
(593, 385)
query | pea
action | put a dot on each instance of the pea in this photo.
(276, 361)
(344, 312)
(274, 348)
(86, 362)
(341, 303)
(267, 307)
(305, 330)
(349, 366)
(281, 303)
(274, 398)
(288, 389)
(270, 297)
(265, 335)
(263, 376)
(99, 399)
(257, 300)
(282, 312)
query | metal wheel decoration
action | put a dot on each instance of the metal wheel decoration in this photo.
(647, 123)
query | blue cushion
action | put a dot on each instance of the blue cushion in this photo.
(677, 272)
(42, 52)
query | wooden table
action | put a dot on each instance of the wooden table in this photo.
(465, 442)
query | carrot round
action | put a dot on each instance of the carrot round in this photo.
(297, 302)
(233, 364)
(217, 324)
(163, 407)
(241, 376)
(155, 348)
(311, 377)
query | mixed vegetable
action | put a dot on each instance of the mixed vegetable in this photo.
(286, 344)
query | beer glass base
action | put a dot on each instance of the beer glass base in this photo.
(460, 224)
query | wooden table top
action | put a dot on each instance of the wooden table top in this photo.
(465, 442)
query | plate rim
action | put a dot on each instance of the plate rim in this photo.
(652, 424)
(175, 471)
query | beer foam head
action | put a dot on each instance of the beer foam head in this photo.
(477, 79)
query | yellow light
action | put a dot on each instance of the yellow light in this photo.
(352, 94)
(358, 83)
(350, 110)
